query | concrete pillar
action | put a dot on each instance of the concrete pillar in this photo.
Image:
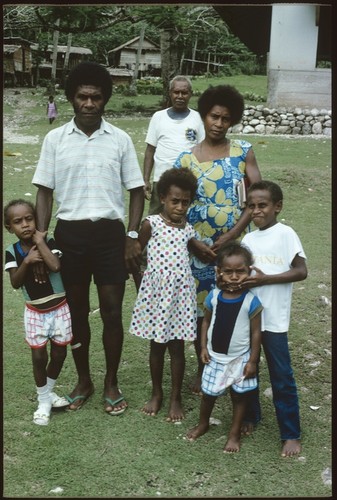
(293, 79)
(293, 38)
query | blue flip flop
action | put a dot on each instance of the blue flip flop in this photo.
(114, 403)
(77, 398)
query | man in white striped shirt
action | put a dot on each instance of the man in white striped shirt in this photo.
(86, 165)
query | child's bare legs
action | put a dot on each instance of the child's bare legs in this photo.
(239, 402)
(40, 360)
(157, 353)
(196, 384)
(252, 413)
(41, 371)
(177, 355)
(58, 354)
(206, 407)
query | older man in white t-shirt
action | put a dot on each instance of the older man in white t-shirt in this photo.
(170, 132)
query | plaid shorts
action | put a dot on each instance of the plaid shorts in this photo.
(216, 377)
(48, 324)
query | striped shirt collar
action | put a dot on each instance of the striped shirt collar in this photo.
(72, 127)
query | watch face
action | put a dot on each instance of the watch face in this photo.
(132, 234)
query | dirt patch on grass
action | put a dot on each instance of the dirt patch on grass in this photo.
(20, 100)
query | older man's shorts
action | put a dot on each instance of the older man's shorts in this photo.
(52, 324)
(216, 377)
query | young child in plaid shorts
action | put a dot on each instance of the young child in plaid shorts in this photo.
(230, 341)
(47, 315)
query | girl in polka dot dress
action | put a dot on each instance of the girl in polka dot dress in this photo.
(165, 311)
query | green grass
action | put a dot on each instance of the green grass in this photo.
(90, 454)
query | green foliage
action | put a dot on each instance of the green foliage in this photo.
(132, 105)
(102, 28)
(150, 86)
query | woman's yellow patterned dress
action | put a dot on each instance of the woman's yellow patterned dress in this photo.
(215, 208)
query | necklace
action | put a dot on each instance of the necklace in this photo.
(173, 223)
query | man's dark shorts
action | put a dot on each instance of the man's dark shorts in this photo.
(91, 249)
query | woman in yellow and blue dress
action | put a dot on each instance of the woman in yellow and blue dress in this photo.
(219, 164)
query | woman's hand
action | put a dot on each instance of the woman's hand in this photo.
(224, 238)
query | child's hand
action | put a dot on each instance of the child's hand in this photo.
(202, 251)
(33, 256)
(249, 370)
(39, 236)
(255, 279)
(204, 356)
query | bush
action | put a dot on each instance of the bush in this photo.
(132, 106)
(150, 86)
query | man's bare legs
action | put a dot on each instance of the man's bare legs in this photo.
(195, 386)
(157, 353)
(110, 302)
(206, 408)
(78, 300)
(177, 354)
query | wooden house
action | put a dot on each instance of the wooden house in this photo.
(43, 58)
(17, 62)
(125, 55)
(120, 76)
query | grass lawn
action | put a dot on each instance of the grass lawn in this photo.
(89, 454)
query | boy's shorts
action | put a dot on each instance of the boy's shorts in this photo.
(216, 377)
(92, 249)
(52, 324)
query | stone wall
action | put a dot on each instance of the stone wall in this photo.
(298, 121)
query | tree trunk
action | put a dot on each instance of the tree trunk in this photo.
(169, 62)
(66, 59)
(51, 87)
(194, 53)
(133, 86)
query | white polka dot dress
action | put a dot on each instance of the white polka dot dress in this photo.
(165, 307)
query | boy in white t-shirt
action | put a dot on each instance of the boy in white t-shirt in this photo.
(279, 261)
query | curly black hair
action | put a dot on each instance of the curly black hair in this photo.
(274, 189)
(183, 178)
(88, 73)
(13, 203)
(222, 95)
(234, 248)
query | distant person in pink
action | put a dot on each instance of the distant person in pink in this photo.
(51, 109)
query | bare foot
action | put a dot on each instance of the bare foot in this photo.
(197, 431)
(247, 428)
(176, 412)
(291, 447)
(195, 386)
(152, 407)
(232, 445)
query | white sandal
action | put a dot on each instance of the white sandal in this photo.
(58, 401)
(42, 415)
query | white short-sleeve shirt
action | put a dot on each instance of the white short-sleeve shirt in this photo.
(172, 136)
(88, 174)
(274, 249)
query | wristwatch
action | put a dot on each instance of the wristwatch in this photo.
(132, 234)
